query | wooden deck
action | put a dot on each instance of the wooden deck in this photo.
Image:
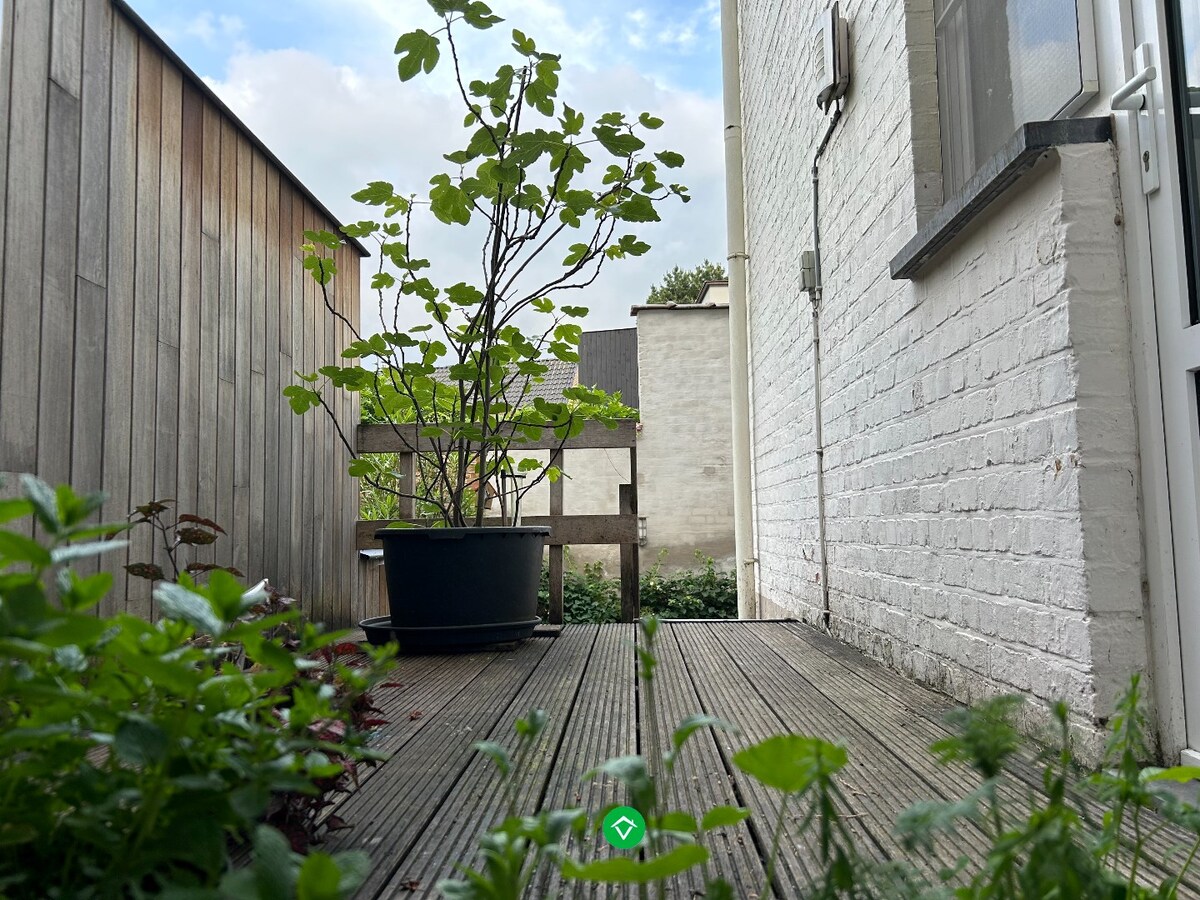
(421, 811)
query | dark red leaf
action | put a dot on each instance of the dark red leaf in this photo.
(148, 571)
(373, 723)
(200, 520)
(411, 886)
(391, 684)
(154, 507)
(414, 715)
(336, 823)
(346, 648)
(197, 537)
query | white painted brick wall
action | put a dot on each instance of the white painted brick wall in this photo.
(980, 440)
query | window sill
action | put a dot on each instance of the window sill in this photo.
(1006, 167)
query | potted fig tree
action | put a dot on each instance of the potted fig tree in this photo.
(551, 200)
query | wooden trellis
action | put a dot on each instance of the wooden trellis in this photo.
(620, 529)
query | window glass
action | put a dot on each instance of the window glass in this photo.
(1184, 40)
(1001, 63)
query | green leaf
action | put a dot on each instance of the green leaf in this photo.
(360, 468)
(522, 44)
(418, 50)
(320, 878)
(626, 870)
(694, 723)
(496, 753)
(381, 281)
(790, 762)
(618, 143)
(45, 504)
(1180, 774)
(724, 816)
(274, 872)
(670, 159)
(17, 548)
(177, 602)
(138, 741)
(649, 121)
(376, 193)
(300, 399)
(678, 821)
(448, 202)
(578, 252)
(638, 208)
(71, 552)
(571, 121)
(15, 508)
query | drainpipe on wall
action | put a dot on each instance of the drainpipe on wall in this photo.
(815, 293)
(739, 353)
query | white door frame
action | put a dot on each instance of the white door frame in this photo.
(1169, 429)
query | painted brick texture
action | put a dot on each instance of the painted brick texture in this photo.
(980, 465)
(685, 475)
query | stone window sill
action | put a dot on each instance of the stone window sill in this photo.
(1005, 168)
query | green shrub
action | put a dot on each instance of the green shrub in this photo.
(591, 598)
(135, 757)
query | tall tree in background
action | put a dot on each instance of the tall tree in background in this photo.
(679, 286)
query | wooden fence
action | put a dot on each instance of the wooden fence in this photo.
(621, 528)
(153, 303)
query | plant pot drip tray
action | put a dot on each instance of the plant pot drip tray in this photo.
(446, 638)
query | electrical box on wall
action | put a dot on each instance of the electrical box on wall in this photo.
(834, 77)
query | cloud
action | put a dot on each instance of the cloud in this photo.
(214, 30)
(339, 126)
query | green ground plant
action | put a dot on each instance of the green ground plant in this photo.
(136, 758)
(591, 597)
(1054, 846)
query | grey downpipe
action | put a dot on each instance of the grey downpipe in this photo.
(739, 353)
(816, 296)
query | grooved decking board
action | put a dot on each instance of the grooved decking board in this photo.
(422, 811)
(477, 799)
(407, 790)
(879, 781)
(725, 692)
(701, 780)
(878, 698)
(603, 725)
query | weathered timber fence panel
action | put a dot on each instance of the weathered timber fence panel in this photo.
(153, 304)
(620, 529)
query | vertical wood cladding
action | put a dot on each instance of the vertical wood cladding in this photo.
(153, 305)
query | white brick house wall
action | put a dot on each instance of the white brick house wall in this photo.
(981, 455)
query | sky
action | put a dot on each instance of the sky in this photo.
(316, 81)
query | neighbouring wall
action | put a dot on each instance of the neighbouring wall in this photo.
(685, 475)
(980, 461)
(153, 305)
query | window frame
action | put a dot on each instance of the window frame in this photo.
(1085, 24)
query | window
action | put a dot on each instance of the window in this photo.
(1002, 63)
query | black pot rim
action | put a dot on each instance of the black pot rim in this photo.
(456, 533)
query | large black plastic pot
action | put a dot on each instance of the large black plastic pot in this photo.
(459, 588)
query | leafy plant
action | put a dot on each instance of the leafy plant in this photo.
(551, 199)
(187, 530)
(135, 756)
(683, 286)
(589, 596)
